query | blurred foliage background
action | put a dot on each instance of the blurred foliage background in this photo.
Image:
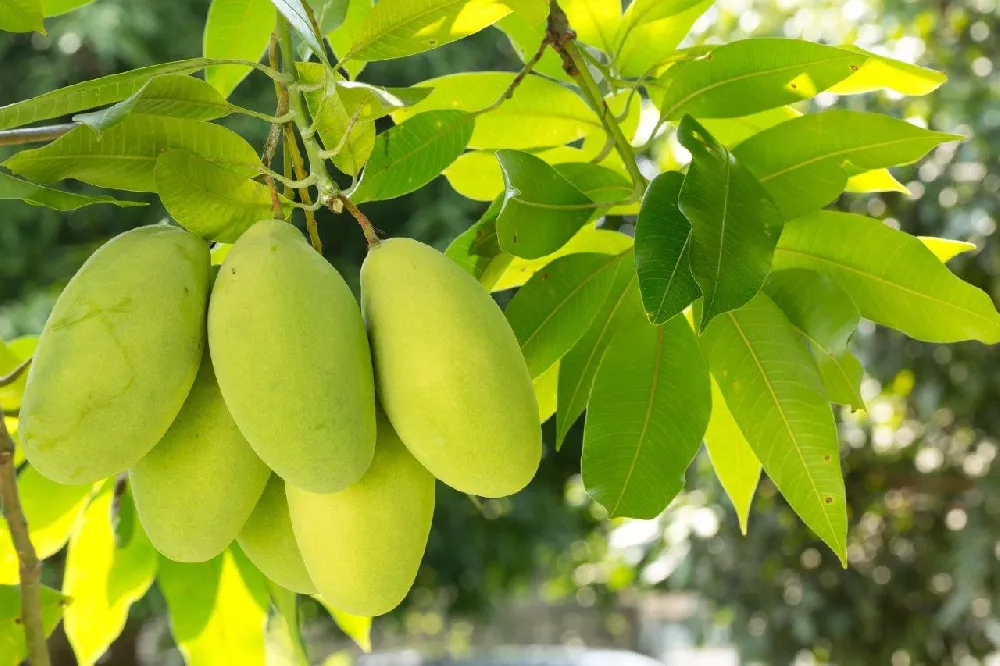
(923, 582)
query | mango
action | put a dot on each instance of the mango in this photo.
(268, 540)
(449, 370)
(117, 356)
(292, 359)
(197, 487)
(362, 546)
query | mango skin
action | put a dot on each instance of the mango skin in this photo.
(292, 359)
(195, 490)
(362, 546)
(449, 370)
(117, 356)
(268, 540)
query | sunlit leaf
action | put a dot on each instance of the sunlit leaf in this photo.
(22, 16)
(238, 29)
(731, 131)
(330, 14)
(12, 647)
(601, 184)
(641, 45)
(374, 102)
(876, 180)
(295, 13)
(881, 73)
(734, 461)
(525, 37)
(545, 386)
(595, 22)
(946, 249)
(39, 195)
(284, 643)
(343, 36)
(355, 627)
(477, 250)
(588, 239)
(334, 118)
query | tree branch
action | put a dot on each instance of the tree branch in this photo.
(528, 66)
(366, 225)
(19, 137)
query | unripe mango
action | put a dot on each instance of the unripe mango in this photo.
(197, 487)
(117, 356)
(362, 546)
(449, 370)
(290, 353)
(268, 540)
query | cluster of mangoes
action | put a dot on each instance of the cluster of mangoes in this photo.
(270, 434)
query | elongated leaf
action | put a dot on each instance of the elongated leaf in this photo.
(330, 14)
(334, 118)
(125, 156)
(525, 36)
(577, 368)
(22, 16)
(542, 210)
(601, 184)
(752, 75)
(478, 251)
(801, 161)
(826, 317)
(774, 392)
(397, 28)
(734, 223)
(172, 95)
(12, 648)
(891, 276)
(556, 306)
(210, 200)
(588, 239)
(731, 131)
(733, 460)
(414, 153)
(355, 627)
(649, 408)
(546, 385)
(103, 580)
(880, 73)
(343, 36)
(946, 249)
(284, 645)
(13, 354)
(596, 22)
(39, 195)
(218, 609)
(876, 180)
(663, 250)
(642, 46)
(295, 13)
(374, 102)
(236, 29)
(540, 113)
(57, 7)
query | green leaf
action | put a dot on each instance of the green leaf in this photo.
(211, 200)
(946, 249)
(596, 22)
(891, 276)
(641, 46)
(663, 250)
(542, 210)
(876, 180)
(343, 36)
(397, 28)
(588, 239)
(22, 16)
(335, 119)
(525, 36)
(236, 29)
(295, 13)
(774, 392)
(649, 408)
(577, 368)
(546, 385)
(801, 162)
(12, 354)
(881, 73)
(103, 581)
(375, 102)
(553, 310)
(355, 627)
(172, 95)
(125, 156)
(540, 113)
(53, 511)
(284, 644)
(731, 131)
(58, 7)
(826, 317)
(413, 153)
(218, 609)
(734, 223)
(330, 14)
(753, 75)
(90, 94)
(39, 195)
(600, 183)
(477, 250)
(12, 647)
(734, 462)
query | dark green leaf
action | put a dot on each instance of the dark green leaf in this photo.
(477, 249)
(236, 29)
(39, 195)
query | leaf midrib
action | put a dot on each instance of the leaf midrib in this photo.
(842, 152)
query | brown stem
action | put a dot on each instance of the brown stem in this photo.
(14, 374)
(19, 137)
(528, 66)
(30, 568)
(366, 226)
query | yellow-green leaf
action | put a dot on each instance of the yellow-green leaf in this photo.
(22, 16)
(545, 386)
(946, 249)
(588, 239)
(334, 118)
(876, 180)
(733, 460)
(881, 73)
(12, 647)
(642, 45)
(355, 627)
(236, 29)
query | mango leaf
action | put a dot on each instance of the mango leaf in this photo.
(601, 184)
(53, 511)
(525, 36)
(734, 223)
(355, 627)
(731, 131)
(588, 239)
(397, 28)
(642, 46)
(596, 22)
(218, 609)
(342, 37)
(881, 73)
(236, 29)
(208, 199)
(125, 156)
(649, 407)
(12, 647)
(330, 14)
(22, 16)
(546, 385)
(173, 95)
(12, 354)
(663, 250)
(553, 310)
(103, 581)
(375, 102)
(734, 462)
(774, 392)
(801, 161)
(826, 317)
(413, 153)
(540, 113)
(478, 251)
(295, 13)
(334, 118)
(284, 645)
(542, 210)
(891, 276)
(57, 7)
(39, 195)
(946, 249)
(752, 75)
(577, 368)
(876, 180)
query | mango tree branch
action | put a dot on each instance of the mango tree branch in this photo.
(528, 66)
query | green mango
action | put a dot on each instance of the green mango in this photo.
(290, 353)
(362, 546)
(117, 356)
(268, 541)
(197, 487)
(449, 370)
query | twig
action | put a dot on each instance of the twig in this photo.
(19, 137)
(299, 169)
(366, 226)
(14, 374)
(30, 568)
(528, 66)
